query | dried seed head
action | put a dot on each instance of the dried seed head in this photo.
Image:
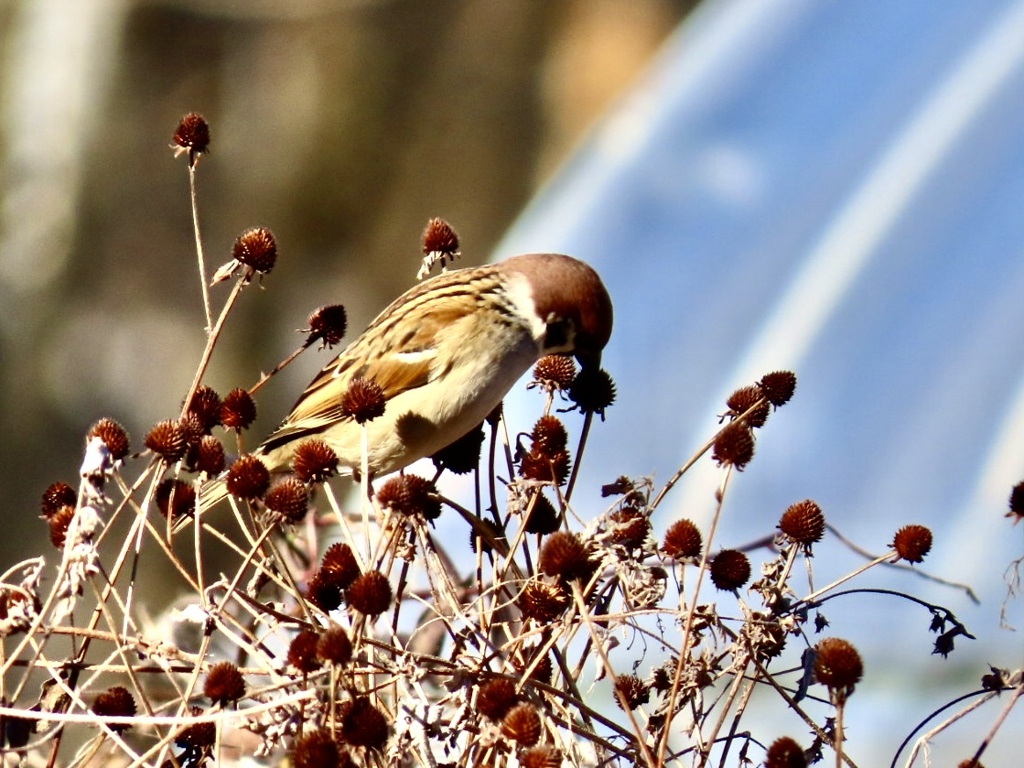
(192, 135)
(969, 763)
(256, 248)
(209, 456)
(778, 387)
(631, 690)
(440, 238)
(462, 456)
(661, 678)
(55, 496)
(318, 750)
(194, 430)
(339, 565)
(410, 495)
(197, 736)
(323, 593)
(592, 391)
(224, 683)
(837, 666)
(168, 439)
(803, 522)
(730, 570)
(785, 753)
(541, 756)
(565, 556)
(248, 478)
(496, 697)
(683, 541)
(629, 526)
(113, 436)
(522, 725)
(328, 325)
(1017, 503)
(175, 497)
(555, 373)
(334, 646)
(115, 702)
(534, 465)
(370, 593)
(59, 523)
(734, 445)
(541, 673)
(314, 461)
(288, 498)
(549, 435)
(237, 410)
(912, 543)
(745, 398)
(543, 602)
(302, 652)
(363, 725)
(363, 401)
(544, 518)
(205, 404)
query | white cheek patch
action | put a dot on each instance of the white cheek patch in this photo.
(521, 294)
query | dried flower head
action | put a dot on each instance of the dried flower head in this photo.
(289, 498)
(778, 387)
(543, 517)
(248, 478)
(224, 683)
(176, 498)
(912, 543)
(496, 697)
(631, 691)
(209, 456)
(410, 495)
(549, 436)
(969, 763)
(197, 736)
(683, 541)
(542, 672)
(543, 602)
(55, 496)
(730, 570)
(168, 439)
(462, 456)
(334, 646)
(339, 565)
(440, 238)
(257, 249)
(323, 593)
(205, 404)
(370, 593)
(363, 725)
(785, 753)
(803, 522)
(113, 436)
(115, 702)
(565, 556)
(522, 725)
(541, 756)
(363, 401)
(1017, 503)
(544, 468)
(629, 526)
(318, 749)
(734, 445)
(554, 373)
(837, 666)
(302, 651)
(59, 523)
(745, 398)
(314, 461)
(192, 136)
(327, 325)
(592, 391)
(237, 410)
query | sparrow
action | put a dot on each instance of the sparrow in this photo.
(445, 353)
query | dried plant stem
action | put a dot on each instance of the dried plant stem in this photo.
(194, 198)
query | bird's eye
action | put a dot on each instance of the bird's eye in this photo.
(559, 334)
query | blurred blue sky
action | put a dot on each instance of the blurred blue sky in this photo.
(835, 188)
